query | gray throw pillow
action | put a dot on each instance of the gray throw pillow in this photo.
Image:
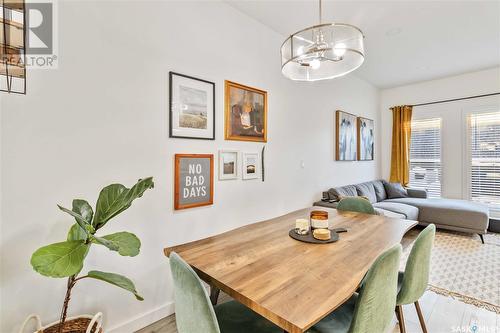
(395, 190)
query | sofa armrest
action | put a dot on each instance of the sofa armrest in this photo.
(417, 193)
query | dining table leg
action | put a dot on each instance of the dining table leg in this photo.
(214, 294)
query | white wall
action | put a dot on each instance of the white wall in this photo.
(453, 118)
(102, 118)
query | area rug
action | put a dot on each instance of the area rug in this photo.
(464, 268)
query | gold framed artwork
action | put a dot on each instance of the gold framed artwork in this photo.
(193, 180)
(245, 111)
(345, 135)
(366, 141)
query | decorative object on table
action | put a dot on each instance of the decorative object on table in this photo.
(228, 164)
(322, 234)
(13, 46)
(319, 219)
(366, 139)
(250, 165)
(302, 226)
(323, 51)
(263, 165)
(65, 259)
(345, 134)
(192, 107)
(309, 238)
(194, 180)
(245, 113)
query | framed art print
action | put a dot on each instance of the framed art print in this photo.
(194, 180)
(365, 139)
(250, 166)
(345, 134)
(245, 111)
(192, 107)
(228, 164)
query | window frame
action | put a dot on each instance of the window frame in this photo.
(467, 141)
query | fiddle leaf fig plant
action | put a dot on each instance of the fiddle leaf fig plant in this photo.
(66, 259)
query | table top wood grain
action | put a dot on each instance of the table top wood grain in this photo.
(291, 283)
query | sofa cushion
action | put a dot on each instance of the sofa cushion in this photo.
(378, 185)
(395, 190)
(409, 212)
(388, 213)
(367, 190)
(343, 191)
(458, 213)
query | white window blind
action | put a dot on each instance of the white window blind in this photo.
(425, 155)
(484, 150)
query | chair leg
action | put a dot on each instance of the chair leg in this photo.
(482, 238)
(420, 317)
(401, 318)
(214, 294)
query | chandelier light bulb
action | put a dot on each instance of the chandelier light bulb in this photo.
(339, 49)
(315, 64)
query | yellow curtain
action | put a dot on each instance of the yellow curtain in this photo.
(401, 134)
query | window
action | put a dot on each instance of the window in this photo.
(484, 152)
(425, 155)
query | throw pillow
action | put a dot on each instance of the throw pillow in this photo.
(395, 190)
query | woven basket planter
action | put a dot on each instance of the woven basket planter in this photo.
(80, 324)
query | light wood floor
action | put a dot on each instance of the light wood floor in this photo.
(442, 315)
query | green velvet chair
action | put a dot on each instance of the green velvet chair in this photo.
(356, 204)
(412, 283)
(194, 312)
(372, 309)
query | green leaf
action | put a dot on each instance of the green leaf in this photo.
(60, 259)
(117, 280)
(109, 244)
(83, 208)
(128, 243)
(116, 198)
(76, 233)
(79, 219)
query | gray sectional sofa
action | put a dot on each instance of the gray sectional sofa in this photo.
(392, 200)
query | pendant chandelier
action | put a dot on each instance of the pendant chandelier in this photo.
(321, 52)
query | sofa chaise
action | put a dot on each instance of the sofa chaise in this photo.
(392, 200)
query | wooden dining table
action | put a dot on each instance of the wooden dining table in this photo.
(291, 283)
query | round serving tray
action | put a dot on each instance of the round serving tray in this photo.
(310, 239)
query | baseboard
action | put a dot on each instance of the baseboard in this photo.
(144, 319)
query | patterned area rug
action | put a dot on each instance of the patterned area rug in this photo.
(464, 268)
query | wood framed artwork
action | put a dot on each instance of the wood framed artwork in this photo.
(245, 111)
(250, 166)
(366, 140)
(345, 135)
(194, 180)
(228, 164)
(192, 107)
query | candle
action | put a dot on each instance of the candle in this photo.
(302, 226)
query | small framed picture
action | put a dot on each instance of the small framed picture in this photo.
(365, 139)
(245, 110)
(192, 107)
(228, 164)
(194, 180)
(250, 165)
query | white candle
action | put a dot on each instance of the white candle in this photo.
(302, 225)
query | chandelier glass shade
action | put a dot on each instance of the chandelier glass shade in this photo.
(322, 52)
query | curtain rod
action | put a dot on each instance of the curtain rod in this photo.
(455, 99)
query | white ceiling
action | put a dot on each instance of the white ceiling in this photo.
(405, 41)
